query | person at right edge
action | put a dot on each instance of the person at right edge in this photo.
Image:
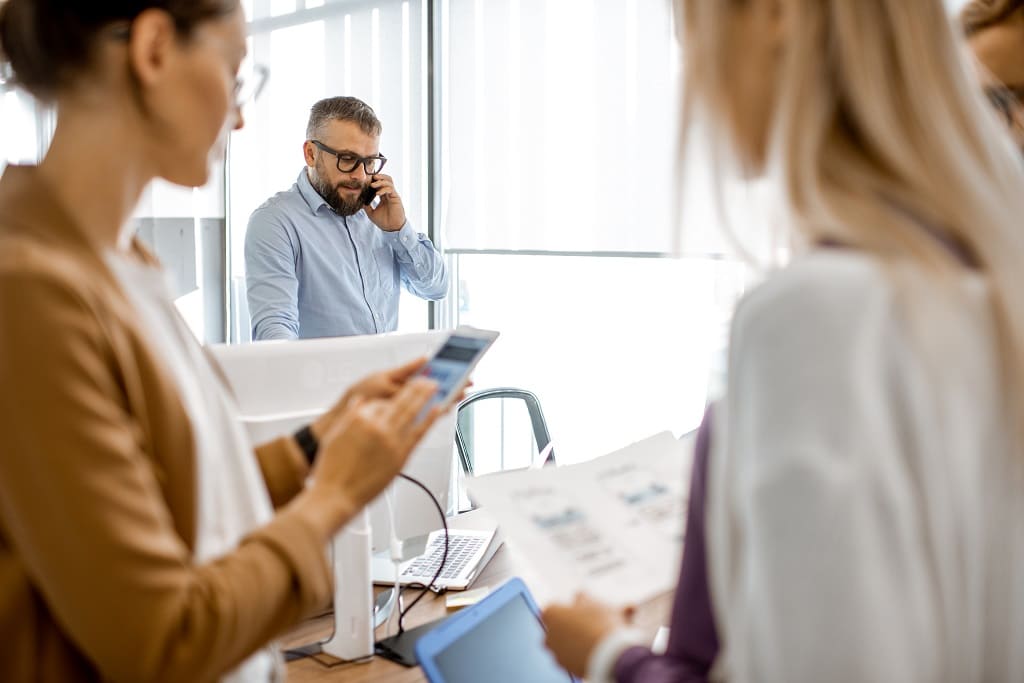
(995, 33)
(863, 476)
(141, 536)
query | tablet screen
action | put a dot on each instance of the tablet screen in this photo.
(507, 647)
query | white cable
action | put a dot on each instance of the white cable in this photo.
(395, 551)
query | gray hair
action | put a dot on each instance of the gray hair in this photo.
(342, 109)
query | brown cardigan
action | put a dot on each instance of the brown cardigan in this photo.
(97, 484)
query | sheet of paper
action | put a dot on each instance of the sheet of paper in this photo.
(611, 527)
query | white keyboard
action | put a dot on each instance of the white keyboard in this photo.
(467, 554)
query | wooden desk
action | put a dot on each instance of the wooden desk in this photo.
(649, 617)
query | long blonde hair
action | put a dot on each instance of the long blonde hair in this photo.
(880, 128)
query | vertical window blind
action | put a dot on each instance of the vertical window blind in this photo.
(559, 125)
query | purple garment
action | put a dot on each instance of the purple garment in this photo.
(693, 640)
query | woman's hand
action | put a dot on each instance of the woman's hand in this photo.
(363, 450)
(575, 630)
(383, 384)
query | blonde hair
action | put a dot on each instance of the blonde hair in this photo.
(880, 129)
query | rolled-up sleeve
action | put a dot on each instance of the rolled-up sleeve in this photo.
(422, 267)
(271, 280)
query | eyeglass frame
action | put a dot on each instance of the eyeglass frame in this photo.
(260, 74)
(359, 160)
(1008, 103)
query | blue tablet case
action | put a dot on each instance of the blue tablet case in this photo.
(500, 640)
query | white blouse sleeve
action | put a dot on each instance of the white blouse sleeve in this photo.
(818, 558)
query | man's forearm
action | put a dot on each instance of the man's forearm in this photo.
(266, 330)
(423, 268)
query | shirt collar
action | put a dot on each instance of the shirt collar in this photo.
(312, 197)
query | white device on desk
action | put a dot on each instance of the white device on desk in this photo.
(464, 552)
(281, 386)
(352, 638)
(469, 551)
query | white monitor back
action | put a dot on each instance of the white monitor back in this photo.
(282, 385)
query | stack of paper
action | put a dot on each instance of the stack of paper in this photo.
(611, 527)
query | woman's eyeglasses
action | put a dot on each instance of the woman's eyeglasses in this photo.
(249, 83)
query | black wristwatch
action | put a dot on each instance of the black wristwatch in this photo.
(308, 443)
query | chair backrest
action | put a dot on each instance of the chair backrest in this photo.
(539, 425)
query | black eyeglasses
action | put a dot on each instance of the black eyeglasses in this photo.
(348, 162)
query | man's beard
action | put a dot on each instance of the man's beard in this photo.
(331, 195)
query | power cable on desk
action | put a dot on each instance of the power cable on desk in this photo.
(291, 655)
(440, 568)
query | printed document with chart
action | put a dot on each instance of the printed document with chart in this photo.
(612, 527)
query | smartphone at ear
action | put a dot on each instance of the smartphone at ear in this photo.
(368, 194)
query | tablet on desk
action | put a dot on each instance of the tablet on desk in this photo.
(499, 640)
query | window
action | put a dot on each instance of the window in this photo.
(371, 50)
(185, 228)
(20, 139)
(558, 125)
(616, 349)
(554, 164)
(559, 146)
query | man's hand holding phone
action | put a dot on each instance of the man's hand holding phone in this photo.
(389, 215)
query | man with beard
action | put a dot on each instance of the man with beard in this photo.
(326, 257)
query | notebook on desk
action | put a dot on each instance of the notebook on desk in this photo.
(469, 551)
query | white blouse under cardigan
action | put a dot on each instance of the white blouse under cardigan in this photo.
(232, 498)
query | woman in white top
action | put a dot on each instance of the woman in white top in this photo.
(866, 483)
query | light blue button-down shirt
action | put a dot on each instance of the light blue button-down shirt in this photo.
(313, 273)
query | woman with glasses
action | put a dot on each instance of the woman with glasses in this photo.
(141, 538)
(865, 484)
(995, 32)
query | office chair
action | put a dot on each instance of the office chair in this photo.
(541, 435)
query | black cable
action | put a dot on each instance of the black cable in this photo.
(299, 653)
(440, 568)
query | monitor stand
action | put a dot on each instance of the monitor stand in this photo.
(383, 606)
(356, 613)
